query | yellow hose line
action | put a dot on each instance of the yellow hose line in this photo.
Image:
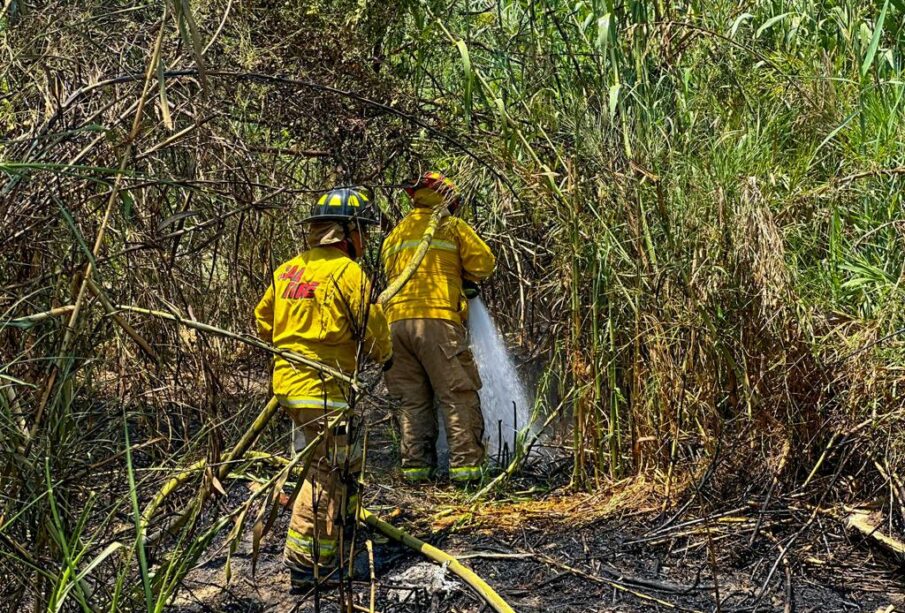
(396, 286)
(438, 555)
(264, 417)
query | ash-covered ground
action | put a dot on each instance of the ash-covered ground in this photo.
(545, 548)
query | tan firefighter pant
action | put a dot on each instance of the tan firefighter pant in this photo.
(328, 496)
(431, 359)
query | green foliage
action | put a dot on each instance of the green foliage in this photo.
(697, 209)
(709, 183)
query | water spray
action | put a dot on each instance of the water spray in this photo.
(505, 402)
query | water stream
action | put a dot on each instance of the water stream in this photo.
(504, 401)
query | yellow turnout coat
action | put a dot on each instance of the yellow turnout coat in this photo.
(318, 306)
(435, 290)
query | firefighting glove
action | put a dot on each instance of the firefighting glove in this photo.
(470, 289)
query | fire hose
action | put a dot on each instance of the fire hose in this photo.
(239, 450)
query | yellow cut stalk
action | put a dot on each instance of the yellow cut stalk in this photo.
(441, 557)
(396, 286)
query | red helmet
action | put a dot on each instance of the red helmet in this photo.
(433, 188)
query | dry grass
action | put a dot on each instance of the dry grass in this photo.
(698, 218)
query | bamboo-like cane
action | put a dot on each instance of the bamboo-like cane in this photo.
(289, 356)
(28, 320)
(238, 451)
(250, 436)
(111, 311)
(521, 455)
(168, 488)
(441, 557)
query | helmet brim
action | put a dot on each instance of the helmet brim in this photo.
(365, 221)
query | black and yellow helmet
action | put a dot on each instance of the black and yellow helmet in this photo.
(343, 204)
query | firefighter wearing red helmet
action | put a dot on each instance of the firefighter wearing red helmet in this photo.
(431, 358)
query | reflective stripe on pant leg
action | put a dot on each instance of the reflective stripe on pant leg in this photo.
(419, 473)
(304, 546)
(465, 473)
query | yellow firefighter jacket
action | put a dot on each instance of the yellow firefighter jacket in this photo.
(316, 306)
(435, 290)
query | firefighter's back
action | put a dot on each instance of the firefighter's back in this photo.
(311, 316)
(435, 289)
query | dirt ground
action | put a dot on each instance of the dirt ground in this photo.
(550, 566)
(544, 549)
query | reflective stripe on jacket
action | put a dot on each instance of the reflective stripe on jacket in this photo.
(316, 306)
(435, 290)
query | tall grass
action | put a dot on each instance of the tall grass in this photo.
(717, 188)
(697, 210)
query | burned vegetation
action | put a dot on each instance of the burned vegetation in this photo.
(697, 217)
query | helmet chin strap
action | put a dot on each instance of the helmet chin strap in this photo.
(350, 244)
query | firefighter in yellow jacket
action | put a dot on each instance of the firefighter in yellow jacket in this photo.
(431, 358)
(318, 305)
